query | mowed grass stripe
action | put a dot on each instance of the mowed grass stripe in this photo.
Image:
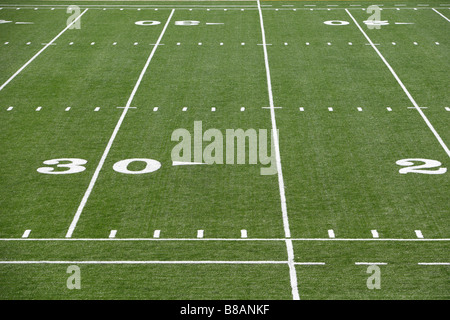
(86, 77)
(14, 52)
(179, 200)
(436, 134)
(42, 50)
(346, 160)
(116, 130)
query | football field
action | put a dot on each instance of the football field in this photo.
(354, 102)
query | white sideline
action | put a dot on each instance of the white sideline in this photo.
(156, 237)
(147, 262)
(441, 14)
(287, 232)
(40, 51)
(232, 239)
(444, 146)
(113, 136)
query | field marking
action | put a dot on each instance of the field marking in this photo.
(9, 108)
(112, 234)
(40, 51)
(287, 231)
(233, 239)
(144, 262)
(375, 233)
(113, 136)
(438, 137)
(200, 234)
(370, 263)
(419, 234)
(26, 234)
(331, 234)
(156, 234)
(183, 163)
(243, 233)
(434, 263)
(440, 14)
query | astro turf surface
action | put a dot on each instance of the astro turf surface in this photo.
(358, 110)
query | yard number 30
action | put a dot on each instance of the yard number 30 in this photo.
(74, 165)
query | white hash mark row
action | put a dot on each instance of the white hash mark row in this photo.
(222, 43)
(375, 234)
(213, 109)
(156, 234)
(244, 234)
(310, 7)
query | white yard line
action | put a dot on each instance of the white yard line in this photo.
(40, 51)
(116, 130)
(441, 14)
(434, 263)
(157, 232)
(287, 232)
(414, 103)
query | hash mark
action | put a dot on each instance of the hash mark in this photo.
(26, 234)
(374, 233)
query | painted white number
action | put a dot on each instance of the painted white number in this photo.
(337, 23)
(187, 23)
(427, 164)
(74, 166)
(122, 166)
(147, 23)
